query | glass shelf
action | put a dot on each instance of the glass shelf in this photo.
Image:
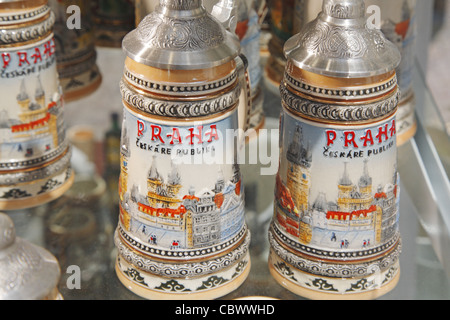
(78, 228)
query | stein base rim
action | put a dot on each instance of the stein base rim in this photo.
(211, 294)
(31, 202)
(314, 295)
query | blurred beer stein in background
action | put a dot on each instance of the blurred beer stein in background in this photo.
(113, 19)
(34, 153)
(75, 49)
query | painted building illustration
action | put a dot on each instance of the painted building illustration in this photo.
(360, 216)
(37, 129)
(398, 32)
(124, 158)
(298, 175)
(166, 217)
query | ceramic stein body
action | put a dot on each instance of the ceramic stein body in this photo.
(335, 232)
(75, 50)
(34, 154)
(182, 233)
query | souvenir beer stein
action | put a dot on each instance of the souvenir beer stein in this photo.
(249, 31)
(34, 155)
(335, 232)
(28, 271)
(181, 231)
(113, 19)
(398, 23)
(282, 24)
(75, 50)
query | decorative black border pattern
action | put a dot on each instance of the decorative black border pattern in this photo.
(185, 89)
(52, 184)
(34, 162)
(343, 269)
(341, 94)
(181, 286)
(9, 179)
(182, 269)
(28, 33)
(24, 16)
(182, 254)
(180, 109)
(340, 113)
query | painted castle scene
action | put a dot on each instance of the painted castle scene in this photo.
(343, 208)
(178, 207)
(32, 125)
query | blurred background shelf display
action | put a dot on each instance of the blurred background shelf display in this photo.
(78, 228)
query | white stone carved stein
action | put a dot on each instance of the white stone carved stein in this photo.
(34, 154)
(28, 272)
(181, 232)
(335, 232)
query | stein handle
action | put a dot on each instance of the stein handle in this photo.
(245, 100)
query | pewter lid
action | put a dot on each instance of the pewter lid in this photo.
(340, 44)
(181, 34)
(27, 272)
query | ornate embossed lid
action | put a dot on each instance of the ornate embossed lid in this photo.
(181, 35)
(27, 271)
(340, 44)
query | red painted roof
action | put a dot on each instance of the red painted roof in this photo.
(350, 215)
(380, 195)
(32, 125)
(162, 212)
(189, 197)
